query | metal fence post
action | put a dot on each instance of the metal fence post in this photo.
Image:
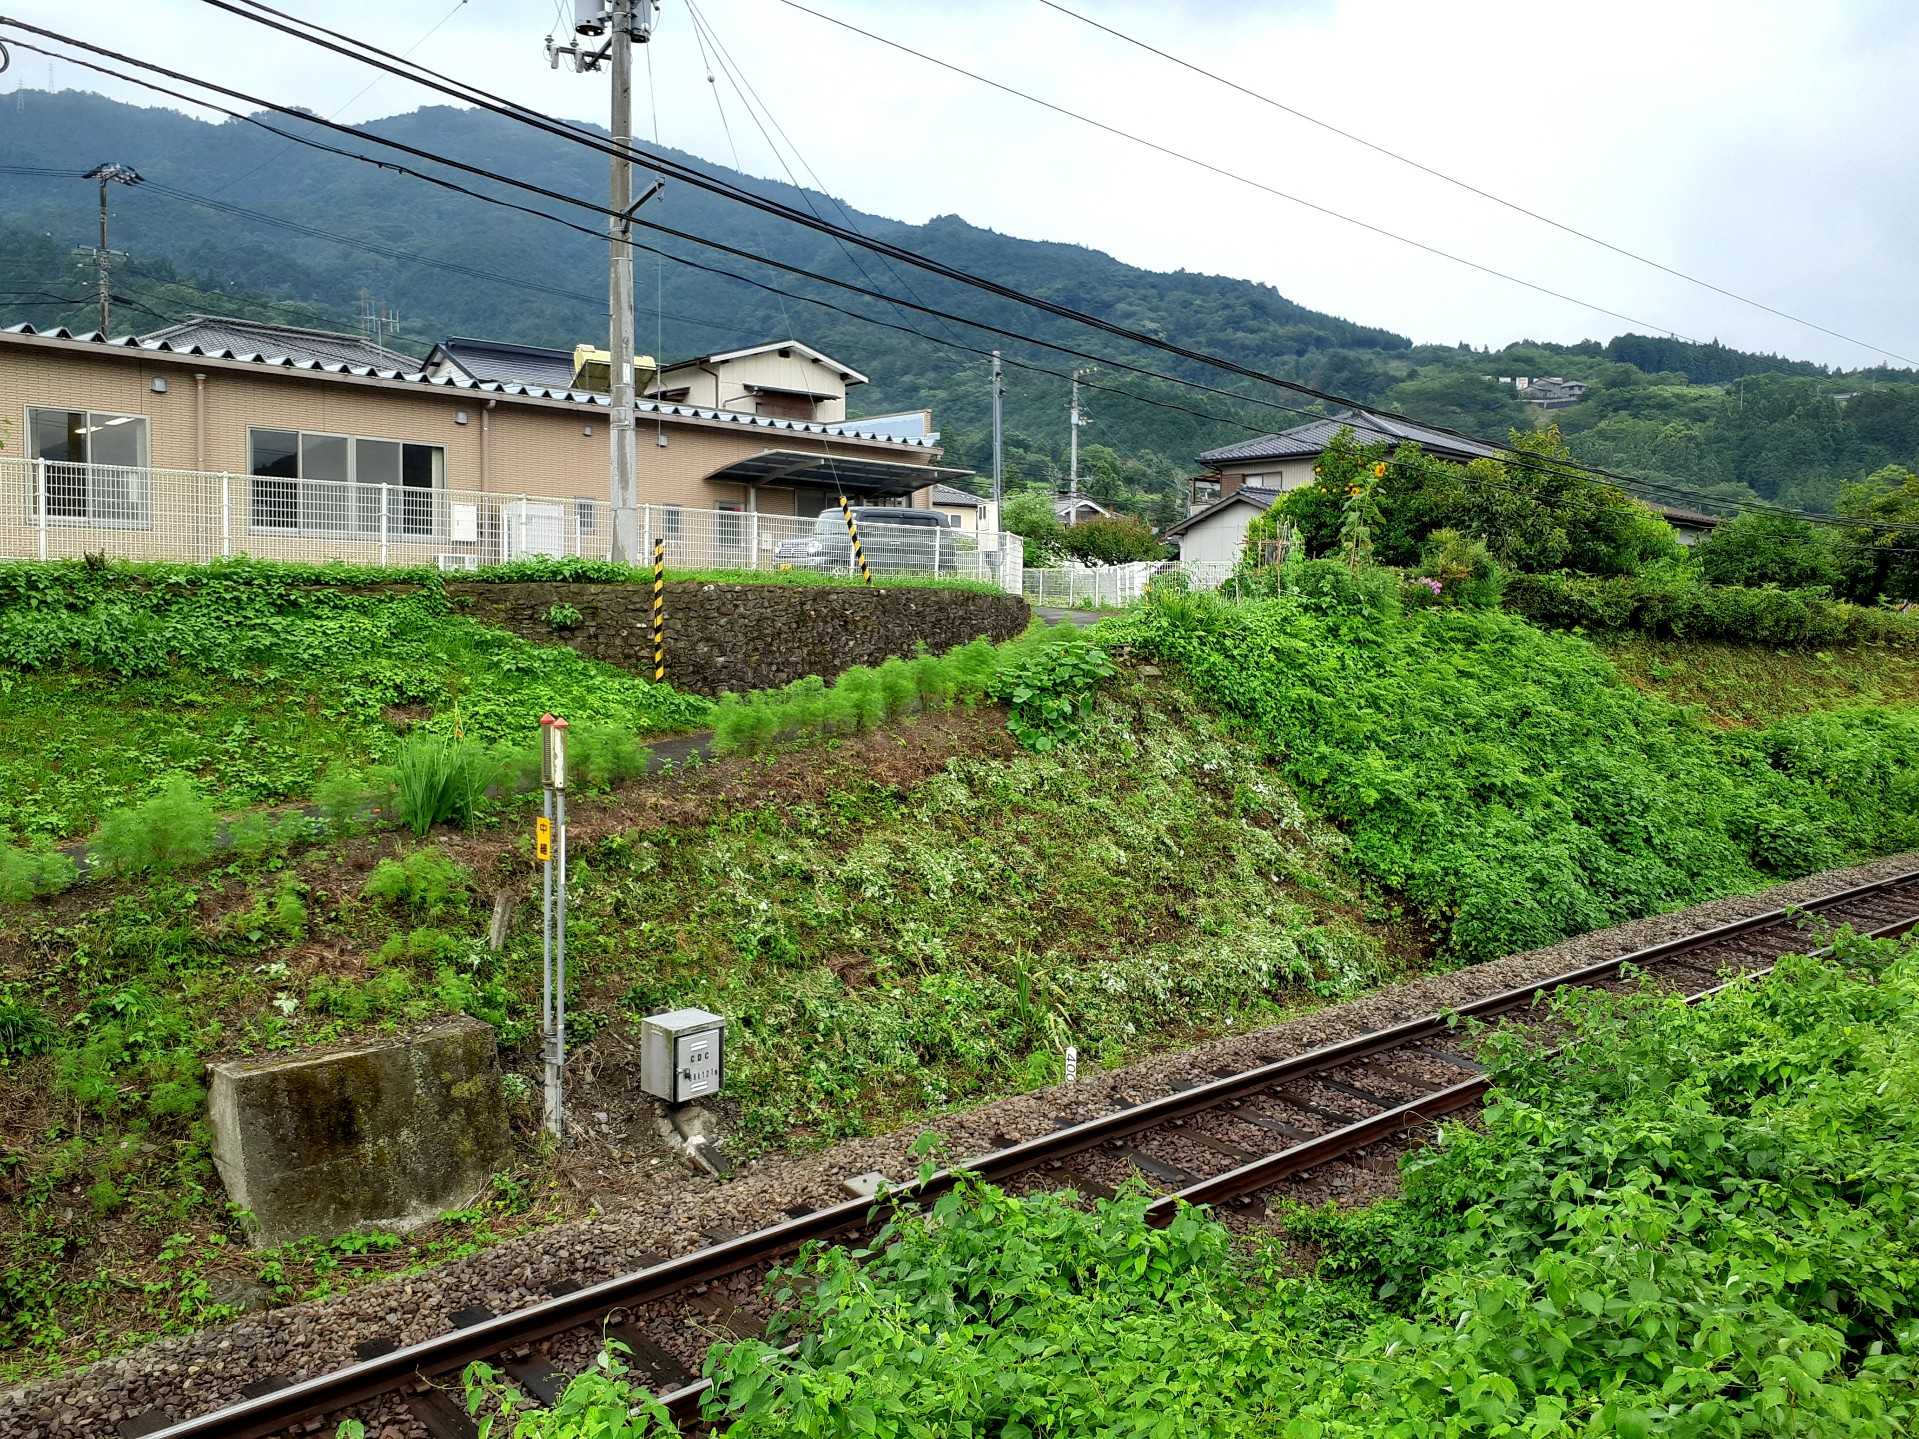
(383, 515)
(226, 515)
(646, 529)
(753, 539)
(40, 501)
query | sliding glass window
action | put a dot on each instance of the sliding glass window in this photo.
(323, 484)
(96, 466)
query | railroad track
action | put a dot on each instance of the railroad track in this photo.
(1219, 1140)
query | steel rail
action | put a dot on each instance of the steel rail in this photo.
(269, 1414)
(1260, 1174)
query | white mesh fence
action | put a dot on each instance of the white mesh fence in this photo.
(1106, 586)
(894, 541)
(55, 510)
(1207, 574)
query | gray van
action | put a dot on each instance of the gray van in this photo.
(895, 540)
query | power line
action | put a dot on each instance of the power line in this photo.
(1469, 187)
(413, 257)
(1234, 175)
(389, 251)
(473, 94)
(590, 141)
(736, 76)
(341, 109)
(742, 87)
(1563, 469)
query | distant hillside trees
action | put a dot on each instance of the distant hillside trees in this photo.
(1461, 401)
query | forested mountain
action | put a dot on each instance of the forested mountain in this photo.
(232, 219)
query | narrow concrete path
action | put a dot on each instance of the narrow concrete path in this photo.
(1061, 615)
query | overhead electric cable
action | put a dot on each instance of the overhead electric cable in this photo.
(1234, 175)
(743, 87)
(354, 99)
(339, 42)
(1563, 469)
(1471, 188)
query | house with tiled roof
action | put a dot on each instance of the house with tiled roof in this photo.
(1285, 461)
(1243, 480)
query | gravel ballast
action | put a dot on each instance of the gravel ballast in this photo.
(195, 1373)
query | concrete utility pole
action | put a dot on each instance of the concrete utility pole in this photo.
(102, 256)
(624, 487)
(624, 23)
(1075, 420)
(999, 464)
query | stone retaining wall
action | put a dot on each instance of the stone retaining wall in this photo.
(746, 636)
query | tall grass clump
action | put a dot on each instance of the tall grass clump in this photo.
(174, 828)
(862, 697)
(24, 1030)
(439, 779)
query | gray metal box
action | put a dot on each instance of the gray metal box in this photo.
(682, 1054)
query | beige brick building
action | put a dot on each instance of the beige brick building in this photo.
(147, 445)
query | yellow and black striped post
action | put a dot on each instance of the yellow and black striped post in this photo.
(659, 610)
(853, 534)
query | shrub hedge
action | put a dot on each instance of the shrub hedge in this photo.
(1679, 607)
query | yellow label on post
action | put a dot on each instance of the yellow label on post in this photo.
(543, 838)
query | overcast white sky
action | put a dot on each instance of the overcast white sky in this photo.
(1766, 147)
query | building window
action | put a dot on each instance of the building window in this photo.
(96, 466)
(1205, 492)
(730, 526)
(332, 484)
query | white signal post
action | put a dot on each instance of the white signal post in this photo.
(549, 846)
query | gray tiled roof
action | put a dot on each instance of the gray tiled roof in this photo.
(250, 337)
(948, 495)
(1302, 441)
(414, 375)
(507, 363)
(1257, 496)
(1695, 518)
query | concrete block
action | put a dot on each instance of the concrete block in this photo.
(865, 1186)
(390, 1133)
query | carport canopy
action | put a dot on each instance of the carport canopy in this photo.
(885, 479)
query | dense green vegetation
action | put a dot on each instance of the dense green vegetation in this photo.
(940, 908)
(255, 679)
(1506, 780)
(1735, 683)
(951, 941)
(1687, 1221)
